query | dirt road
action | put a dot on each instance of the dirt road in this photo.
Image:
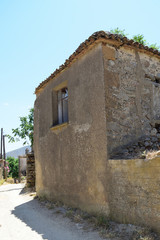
(22, 217)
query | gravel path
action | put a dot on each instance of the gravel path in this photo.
(23, 218)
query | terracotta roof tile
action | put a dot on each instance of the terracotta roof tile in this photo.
(92, 39)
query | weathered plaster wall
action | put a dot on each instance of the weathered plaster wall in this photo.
(113, 100)
(22, 163)
(71, 162)
(135, 191)
(132, 95)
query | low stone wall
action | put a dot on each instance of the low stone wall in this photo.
(30, 170)
(134, 194)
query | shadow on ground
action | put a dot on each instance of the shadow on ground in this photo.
(36, 218)
(12, 189)
(26, 190)
(49, 225)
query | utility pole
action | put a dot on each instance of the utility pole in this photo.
(4, 157)
(4, 150)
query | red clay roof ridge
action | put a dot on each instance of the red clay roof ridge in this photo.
(93, 38)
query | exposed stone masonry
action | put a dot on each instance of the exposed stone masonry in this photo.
(140, 148)
(132, 99)
(153, 78)
(30, 170)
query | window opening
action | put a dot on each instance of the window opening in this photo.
(62, 105)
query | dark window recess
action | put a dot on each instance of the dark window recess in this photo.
(63, 106)
(157, 126)
(157, 80)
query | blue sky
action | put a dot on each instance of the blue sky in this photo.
(37, 36)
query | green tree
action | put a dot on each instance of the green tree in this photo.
(25, 130)
(13, 166)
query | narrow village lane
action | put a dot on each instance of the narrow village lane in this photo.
(22, 217)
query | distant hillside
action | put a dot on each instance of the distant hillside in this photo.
(18, 152)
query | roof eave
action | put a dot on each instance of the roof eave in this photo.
(98, 37)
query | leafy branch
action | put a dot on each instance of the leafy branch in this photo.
(25, 130)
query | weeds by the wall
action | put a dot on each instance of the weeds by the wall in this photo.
(2, 181)
(107, 228)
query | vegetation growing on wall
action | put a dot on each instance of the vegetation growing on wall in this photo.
(137, 38)
(119, 31)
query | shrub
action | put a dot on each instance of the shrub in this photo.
(13, 166)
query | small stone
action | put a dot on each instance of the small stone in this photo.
(146, 64)
(111, 63)
(158, 135)
(142, 148)
(153, 132)
(155, 147)
(158, 76)
(146, 144)
(130, 149)
(124, 151)
(147, 139)
(136, 144)
(137, 150)
(141, 144)
(150, 76)
(154, 139)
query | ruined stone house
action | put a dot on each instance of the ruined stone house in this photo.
(101, 105)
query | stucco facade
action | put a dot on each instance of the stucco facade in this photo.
(113, 101)
(71, 160)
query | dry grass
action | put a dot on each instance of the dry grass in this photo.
(152, 154)
(10, 180)
(2, 181)
(108, 229)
